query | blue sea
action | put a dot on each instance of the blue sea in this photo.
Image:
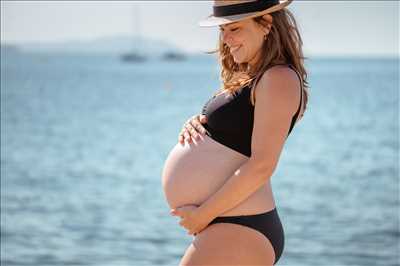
(84, 139)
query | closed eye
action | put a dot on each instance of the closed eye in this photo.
(233, 29)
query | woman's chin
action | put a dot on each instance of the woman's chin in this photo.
(238, 60)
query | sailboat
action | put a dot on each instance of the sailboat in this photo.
(173, 56)
(134, 56)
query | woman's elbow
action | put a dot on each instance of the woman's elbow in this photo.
(263, 167)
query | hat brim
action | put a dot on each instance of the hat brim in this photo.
(212, 21)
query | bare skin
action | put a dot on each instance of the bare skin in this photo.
(225, 243)
(192, 128)
(244, 39)
(229, 244)
(195, 171)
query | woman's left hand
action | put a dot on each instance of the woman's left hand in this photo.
(191, 218)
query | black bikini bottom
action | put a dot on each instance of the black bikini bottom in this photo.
(267, 223)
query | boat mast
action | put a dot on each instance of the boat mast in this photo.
(136, 25)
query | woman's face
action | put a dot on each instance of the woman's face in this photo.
(245, 39)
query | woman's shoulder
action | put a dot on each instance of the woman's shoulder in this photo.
(278, 80)
(280, 71)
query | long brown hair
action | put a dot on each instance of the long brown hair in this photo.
(283, 46)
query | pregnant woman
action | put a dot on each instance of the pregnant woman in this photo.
(219, 183)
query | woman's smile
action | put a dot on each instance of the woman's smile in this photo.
(235, 48)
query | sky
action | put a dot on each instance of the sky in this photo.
(328, 28)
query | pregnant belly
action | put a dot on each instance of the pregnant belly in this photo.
(194, 171)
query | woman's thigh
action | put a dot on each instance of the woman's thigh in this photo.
(229, 244)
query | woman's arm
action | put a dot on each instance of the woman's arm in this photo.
(244, 182)
(277, 95)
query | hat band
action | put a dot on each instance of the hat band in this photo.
(236, 9)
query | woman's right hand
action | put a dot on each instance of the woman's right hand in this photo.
(192, 127)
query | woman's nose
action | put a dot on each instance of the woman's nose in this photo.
(227, 38)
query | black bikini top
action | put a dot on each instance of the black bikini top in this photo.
(230, 119)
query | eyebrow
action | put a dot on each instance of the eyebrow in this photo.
(233, 24)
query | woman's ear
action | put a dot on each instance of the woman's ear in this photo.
(268, 18)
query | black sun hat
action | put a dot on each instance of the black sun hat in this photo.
(228, 11)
